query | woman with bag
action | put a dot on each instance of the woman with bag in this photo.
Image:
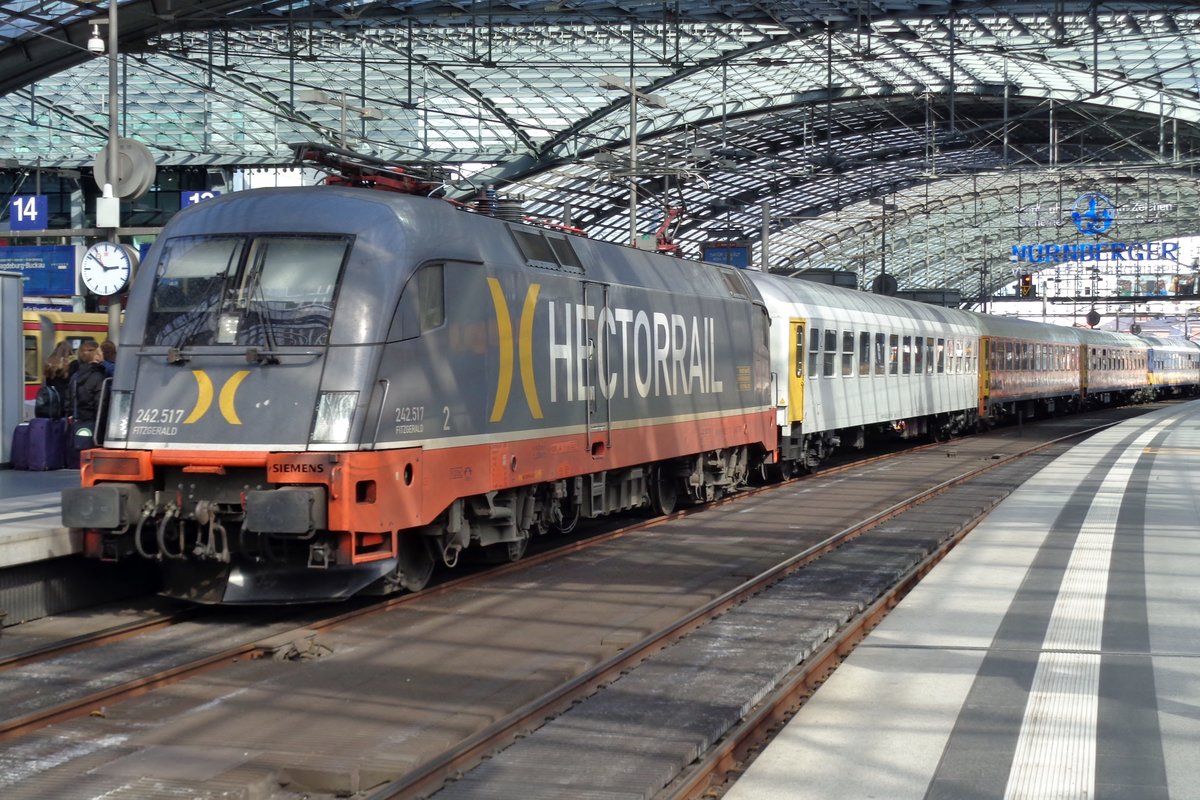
(51, 401)
(87, 387)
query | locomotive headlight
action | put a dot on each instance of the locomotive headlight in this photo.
(335, 412)
(120, 404)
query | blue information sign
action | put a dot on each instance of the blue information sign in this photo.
(735, 254)
(191, 198)
(47, 271)
(28, 212)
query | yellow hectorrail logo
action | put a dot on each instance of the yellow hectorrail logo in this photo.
(525, 350)
(204, 396)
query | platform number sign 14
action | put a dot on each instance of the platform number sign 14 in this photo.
(191, 198)
(28, 212)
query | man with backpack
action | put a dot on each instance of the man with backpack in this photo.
(87, 389)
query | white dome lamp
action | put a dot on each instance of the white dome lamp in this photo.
(95, 44)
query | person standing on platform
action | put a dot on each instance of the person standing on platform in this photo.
(57, 371)
(109, 349)
(87, 386)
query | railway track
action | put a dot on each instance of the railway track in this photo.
(525, 712)
(270, 639)
(726, 757)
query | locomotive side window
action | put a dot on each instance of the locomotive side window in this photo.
(534, 246)
(564, 251)
(547, 250)
(733, 282)
(431, 295)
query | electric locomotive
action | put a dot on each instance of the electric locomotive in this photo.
(329, 390)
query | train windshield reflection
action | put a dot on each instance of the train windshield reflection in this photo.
(262, 291)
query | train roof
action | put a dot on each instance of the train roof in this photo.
(1179, 343)
(776, 288)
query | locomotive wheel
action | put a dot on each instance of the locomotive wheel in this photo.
(506, 552)
(416, 563)
(663, 493)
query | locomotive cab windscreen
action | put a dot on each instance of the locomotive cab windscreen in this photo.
(260, 291)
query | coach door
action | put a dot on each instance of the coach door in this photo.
(796, 372)
(597, 368)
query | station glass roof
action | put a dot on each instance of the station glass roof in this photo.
(895, 135)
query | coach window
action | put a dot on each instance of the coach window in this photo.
(847, 354)
(918, 356)
(33, 364)
(864, 353)
(814, 352)
(906, 355)
(831, 352)
(929, 359)
(894, 354)
(798, 367)
(941, 355)
(880, 354)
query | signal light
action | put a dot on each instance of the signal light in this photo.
(1026, 284)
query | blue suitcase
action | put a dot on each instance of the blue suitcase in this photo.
(20, 446)
(45, 444)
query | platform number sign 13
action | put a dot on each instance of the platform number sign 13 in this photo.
(191, 198)
(28, 212)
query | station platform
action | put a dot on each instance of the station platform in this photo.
(1053, 654)
(42, 570)
(31, 518)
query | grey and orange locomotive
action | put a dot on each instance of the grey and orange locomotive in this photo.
(329, 390)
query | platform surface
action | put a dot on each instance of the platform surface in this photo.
(1055, 653)
(31, 517)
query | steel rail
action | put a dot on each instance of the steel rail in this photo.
(95, 702)
(87, 641)
(457, 760)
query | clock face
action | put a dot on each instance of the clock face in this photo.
(105, 268)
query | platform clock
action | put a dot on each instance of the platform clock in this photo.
(106, 267)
